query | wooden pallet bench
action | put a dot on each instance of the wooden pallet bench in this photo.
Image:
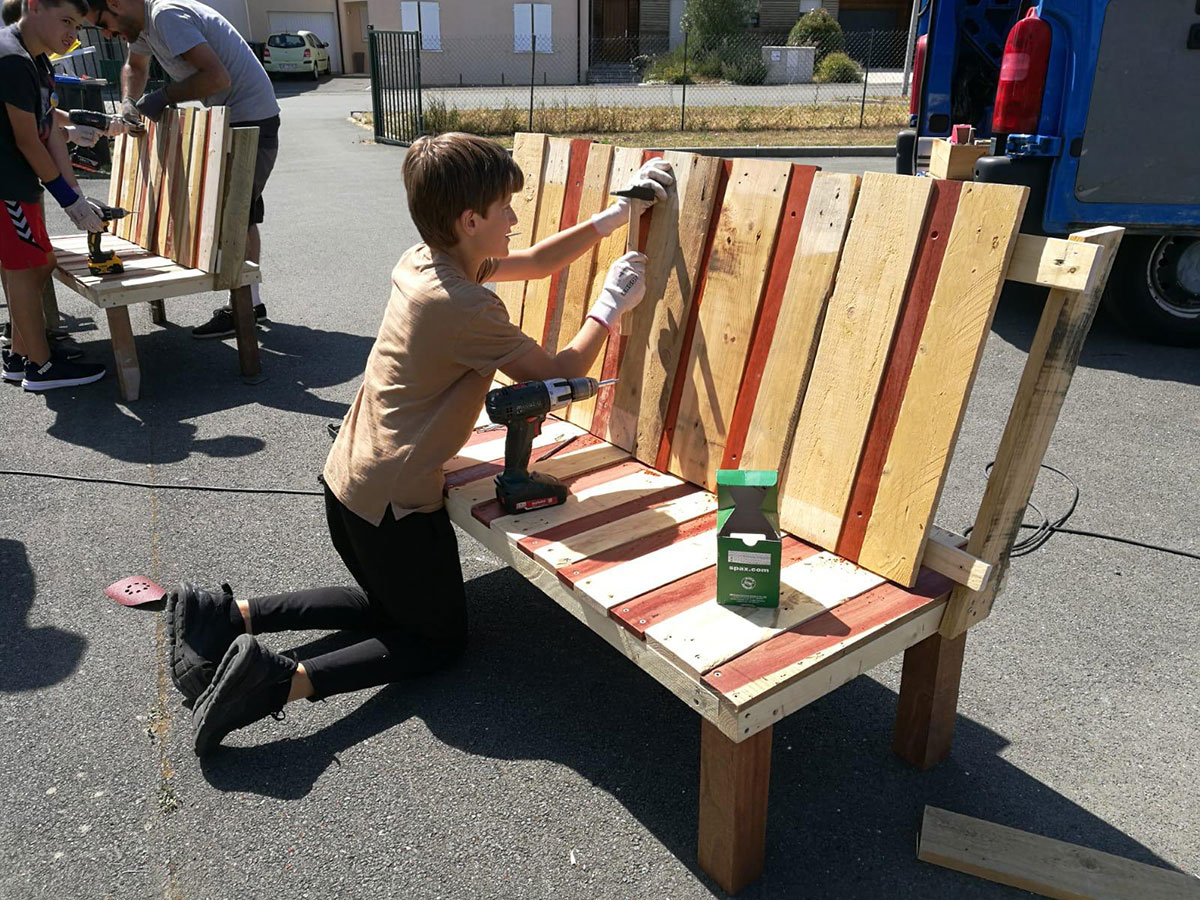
(187, 184)
(822, 325)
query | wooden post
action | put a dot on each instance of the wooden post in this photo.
(733, 806)
(158, 312)
(50, 304)
(124, 353)
(243, 322)
(928, 700)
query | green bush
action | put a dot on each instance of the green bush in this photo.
(440, 118)
(838, 68)
(747, 70)
(715, 18)
(818, 29)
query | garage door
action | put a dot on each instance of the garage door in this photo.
(320, 24)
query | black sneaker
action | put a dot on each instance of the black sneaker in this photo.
(251, 682)
(221, 323)
(14, 365)
(59, 373)
(66, 349)
(200, 627)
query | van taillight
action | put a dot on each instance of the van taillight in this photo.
(1022, 77)
(918, 74)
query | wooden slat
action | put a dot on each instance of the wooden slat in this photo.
(801, 314)
(853, 349)
(529, 153)
(168, 174)
(1053, 355)
(1043, 865)
(576, 173)
(678, 228)
(129, 183)
(159, 134)
(141, 199)
(186, 242)
(235, 217)
(493, 448)
(593, 198)
(549, 219)
(943, 371)
(178, 235)
(621, 553)
(794, 207)
(626, 162)
(117, 153)
(944, 554)
(649, 571)
(745, 238)
(1053, 262)
(212, 195)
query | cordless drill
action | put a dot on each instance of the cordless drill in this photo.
(522, 408)
(104, 262)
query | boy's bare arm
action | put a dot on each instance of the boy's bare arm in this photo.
(37, 154)
(57, 145)
(548, 256)
(572, 361)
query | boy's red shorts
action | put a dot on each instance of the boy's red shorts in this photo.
(24, 243)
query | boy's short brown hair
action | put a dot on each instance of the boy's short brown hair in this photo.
(447, 174)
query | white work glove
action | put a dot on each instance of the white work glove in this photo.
(116, 126)
(83, 135)
(131, 117)
(655, 175)
(83, 214)
(623, 289)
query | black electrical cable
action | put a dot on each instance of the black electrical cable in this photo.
(210, 488)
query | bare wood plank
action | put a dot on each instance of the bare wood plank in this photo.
(592, 199)
(851, 356)
(196, 162)
(626, 162)
(549, 217)
(168, 150)
(928, 705)
(675, 244)
(1064, 325)
(128, 190)
(1053, 262)
(158, 312)
(159, 134)
(745, 239)
(129, 376)
(1041, 864)
(493, 448)
(638, 576)
(235, 218)
(939, 384)
(576, 173)
(810, 284)
(529, 153)
(212, 193)
(734, 778)
(178, 235)
(143, 202)
(117, 154)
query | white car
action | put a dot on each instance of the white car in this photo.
(296, 52)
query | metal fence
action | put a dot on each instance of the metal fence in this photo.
(396, 86)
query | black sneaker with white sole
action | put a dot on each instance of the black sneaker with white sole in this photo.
(221, 323)
(59, 373)
(251, 683)
(14, 366)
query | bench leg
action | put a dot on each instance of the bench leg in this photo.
(733, 806)
(247, 337)
(158, 312)
(928, 700)
(50, 304)
(125, 354)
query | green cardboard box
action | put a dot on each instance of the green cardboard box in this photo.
(748, 542)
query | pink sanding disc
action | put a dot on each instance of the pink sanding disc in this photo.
(135, 590)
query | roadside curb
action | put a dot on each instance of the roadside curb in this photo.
(743, 152)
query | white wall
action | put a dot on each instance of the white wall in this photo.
(235, 11)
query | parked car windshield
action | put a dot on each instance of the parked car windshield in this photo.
(285, 41)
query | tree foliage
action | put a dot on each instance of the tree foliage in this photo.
(708, 19)
(818, 29)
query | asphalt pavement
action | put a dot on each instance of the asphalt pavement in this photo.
(545, 765)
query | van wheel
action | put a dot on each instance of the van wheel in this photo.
(1154, 290)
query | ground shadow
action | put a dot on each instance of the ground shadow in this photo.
(31, 658)
(844, 812)
(1108, 347)
(185, 379)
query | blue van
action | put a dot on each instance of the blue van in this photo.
(1092, 104)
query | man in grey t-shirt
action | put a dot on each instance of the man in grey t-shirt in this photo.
(208, 61)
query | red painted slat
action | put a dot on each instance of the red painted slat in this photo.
(930, 251)
(536, 542)
(488, 511)
(486, 433)
(680, 531)
(660, 604)
(577, 163)
(493, 467)
(885, 604)
(664, 449)
(794, 205)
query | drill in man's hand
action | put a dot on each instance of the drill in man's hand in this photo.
(522, 408)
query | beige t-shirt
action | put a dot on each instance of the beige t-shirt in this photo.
(443, 337)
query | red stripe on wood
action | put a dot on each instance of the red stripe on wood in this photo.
(576, 165)
(671, 599)
(885, 604)
(780, 267)
(484, 434)
(493, 467)
(677, 532)
(535, 542)
(930, 252)
(199, 198)
(614, 350)
(488, 511)
(664, 448)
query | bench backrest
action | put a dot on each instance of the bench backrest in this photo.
(823, 325)
(187, 184)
